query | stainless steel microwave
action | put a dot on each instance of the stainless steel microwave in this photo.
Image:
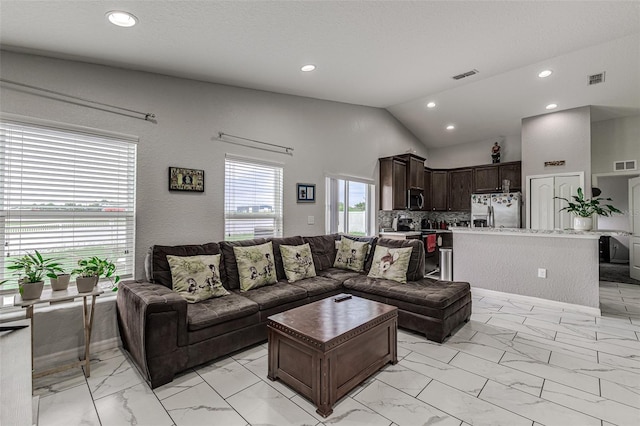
(415, 199)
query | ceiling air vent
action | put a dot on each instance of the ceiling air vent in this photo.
(465, 74)
(595, 79)
(621, 166)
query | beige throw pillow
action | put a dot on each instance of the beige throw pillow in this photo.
(256, 267)
(351, 255)
(391, 263)
(196, 278)
(297, 261)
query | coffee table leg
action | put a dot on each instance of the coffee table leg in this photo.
(324, 404)
(272, 352)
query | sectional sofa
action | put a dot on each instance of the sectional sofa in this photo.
(165, 334)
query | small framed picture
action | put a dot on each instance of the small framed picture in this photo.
(306, 192)
(181, 179)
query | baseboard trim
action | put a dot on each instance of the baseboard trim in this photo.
(70, 355)
(537, 301)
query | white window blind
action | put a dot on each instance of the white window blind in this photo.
(253, 199)
(68, 194)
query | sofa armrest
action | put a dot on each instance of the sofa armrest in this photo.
(153, 322)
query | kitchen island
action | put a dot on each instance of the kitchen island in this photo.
(560, 266)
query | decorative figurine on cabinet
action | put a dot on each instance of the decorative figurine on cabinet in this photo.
(495, 153)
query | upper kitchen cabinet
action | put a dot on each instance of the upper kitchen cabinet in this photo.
(439, 190)
(427, 189)
(513, 172)
(460, 189)
(393, 184)
(415, 170)
(489, 178)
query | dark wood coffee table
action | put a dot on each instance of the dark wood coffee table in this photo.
(326, 348)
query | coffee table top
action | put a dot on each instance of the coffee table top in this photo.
(325, 322)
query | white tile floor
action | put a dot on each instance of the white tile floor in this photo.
(512, 364)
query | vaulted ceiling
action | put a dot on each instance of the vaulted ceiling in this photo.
(398, 55)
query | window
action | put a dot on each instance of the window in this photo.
(68, 194)
(252, 199)
(350, 206)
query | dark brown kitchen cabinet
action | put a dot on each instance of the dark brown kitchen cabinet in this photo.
(513, 172)
(439, 190)
(415, 168)
(486, 179)
(393, 184)
(460, 189)
(489, 178)
(427, 189)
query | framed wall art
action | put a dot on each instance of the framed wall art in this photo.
(306, 192)
(181, 179)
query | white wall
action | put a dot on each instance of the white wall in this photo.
(509, 264)
(474, 153)
(616, 188)
(563, 135)
(614, 140)
(328, 137)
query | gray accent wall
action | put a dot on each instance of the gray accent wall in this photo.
(614, 140)
(563, 135)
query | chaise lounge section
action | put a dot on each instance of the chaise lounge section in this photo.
(166, 335)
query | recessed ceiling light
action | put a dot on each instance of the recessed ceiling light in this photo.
(552, 106)
(121, 19)
(431, 105)
(451, 127)
(545, 73)
(307, 68)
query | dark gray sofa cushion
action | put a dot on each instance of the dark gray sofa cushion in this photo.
(288, 241)
(428, 293)
(161, 272)
(416, 262)
(221, 309)
(229, 275)
(338, 274)
(323, 250)
(318, 285)
(274, 295)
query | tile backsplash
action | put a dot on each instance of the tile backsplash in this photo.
(385, 217)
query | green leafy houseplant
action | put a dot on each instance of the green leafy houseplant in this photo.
(583, 207)
(95, 267)
(32, 268)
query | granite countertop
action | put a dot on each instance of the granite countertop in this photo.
(405, 233)
(571, 233)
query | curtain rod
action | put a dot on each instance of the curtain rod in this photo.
(147, 116)
(287, 150)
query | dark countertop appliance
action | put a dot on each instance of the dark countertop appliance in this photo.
(404, 224)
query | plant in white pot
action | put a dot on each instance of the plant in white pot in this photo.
(32, 268)
(584, 209)
(90, 270)
(61, 281)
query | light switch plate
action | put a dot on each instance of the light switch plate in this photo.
(311, 220)
(542, 273)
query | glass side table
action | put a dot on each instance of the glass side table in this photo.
(49, 296)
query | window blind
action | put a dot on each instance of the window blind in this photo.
(67, 194)
(253, 199)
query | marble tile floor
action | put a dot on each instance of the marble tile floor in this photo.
(512, 364)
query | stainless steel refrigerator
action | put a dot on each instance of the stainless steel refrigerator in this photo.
(499, 210)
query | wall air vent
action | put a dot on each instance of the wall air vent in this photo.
(595, 79)
(465, 74)
(622, 166)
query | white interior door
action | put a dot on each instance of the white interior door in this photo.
(542, 203)
(565, 187)
(634, 240)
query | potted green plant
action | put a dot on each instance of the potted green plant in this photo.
(584, 209)
(32, 268)
(89, 270)
(61, 281)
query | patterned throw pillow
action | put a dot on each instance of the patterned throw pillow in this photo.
(351, 255)
(255, 266)
(391, 263)
(298, 263)
(196, 278)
